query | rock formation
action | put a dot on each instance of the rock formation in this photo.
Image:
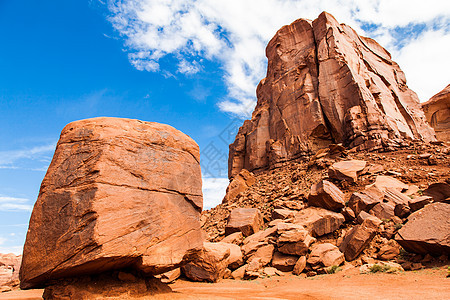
(118, 193)
(437, 112)
(9, 270)
(326, 84)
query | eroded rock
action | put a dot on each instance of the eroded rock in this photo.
(118, 193)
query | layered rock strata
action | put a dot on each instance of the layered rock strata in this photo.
(326, 84)
(118, 193)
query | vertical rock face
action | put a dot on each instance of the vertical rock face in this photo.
(326, 84)
(437, 111)
(118, 193)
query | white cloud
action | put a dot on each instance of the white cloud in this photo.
(425, 62)
(38, 153)
(235, 32)
(213, 191)
(17, 250)
(14, 204)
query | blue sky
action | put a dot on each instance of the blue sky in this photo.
(190, 64)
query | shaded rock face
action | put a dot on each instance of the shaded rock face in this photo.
(118, 193)
(326, 84)
(437, 112)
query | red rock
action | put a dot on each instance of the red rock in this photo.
(9, 268)
(419, 202)
(440, 192)
(319, 221)
(357, 238)
(263, 254)
(363, 201)
(293, 239)
(106, 286)
(325, 84)
(383, 211)
(299, 265)
(210, 264)
(245, 220)
(325, 255)
(240, 183)
(437, 112)
(389, 251)
(326, 195)
(348, 170)
(170, 276)
(383, 182)
(235, 260)
(118, 193)
(282, 214)
(234, 238)
(283, 262)
(349, 214)
(427, 230)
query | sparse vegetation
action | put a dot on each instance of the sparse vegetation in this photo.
(398, 226)
(382, 268)
(333, 269)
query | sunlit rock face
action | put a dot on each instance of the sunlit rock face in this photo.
(119, 193)
(326, 84)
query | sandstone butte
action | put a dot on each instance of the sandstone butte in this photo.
(119, 193)
(437, 111)
(326, 84)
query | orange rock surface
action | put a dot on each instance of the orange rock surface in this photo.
(118, 193)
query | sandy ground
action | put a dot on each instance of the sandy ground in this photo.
(423, 284)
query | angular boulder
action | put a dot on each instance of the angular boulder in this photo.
(319, 221)
(348, 170)
(427, 230)
(326, 195)
(363, 201)
(245, 220)
(118, 193)
(326, 84)
(283, 262)
(293, 239)
(325, 255)
(210, 264)
(357, 238)
(239, 184)
(437, 112)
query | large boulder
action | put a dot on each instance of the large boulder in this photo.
(326, 84)
(325, 255)
(437, 112)
(319, 221)
(118, 193)
(440, 192)
(210, 264)
(326, 195)
(348, 170)
(359, 237)
(427, 230)
(239, 184)
(245, 220)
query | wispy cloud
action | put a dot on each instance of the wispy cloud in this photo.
(11, 159)
(14, 204)
(213, 191)
(235, 33)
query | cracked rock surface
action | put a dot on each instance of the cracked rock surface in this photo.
(326, 84)
(118, 193)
